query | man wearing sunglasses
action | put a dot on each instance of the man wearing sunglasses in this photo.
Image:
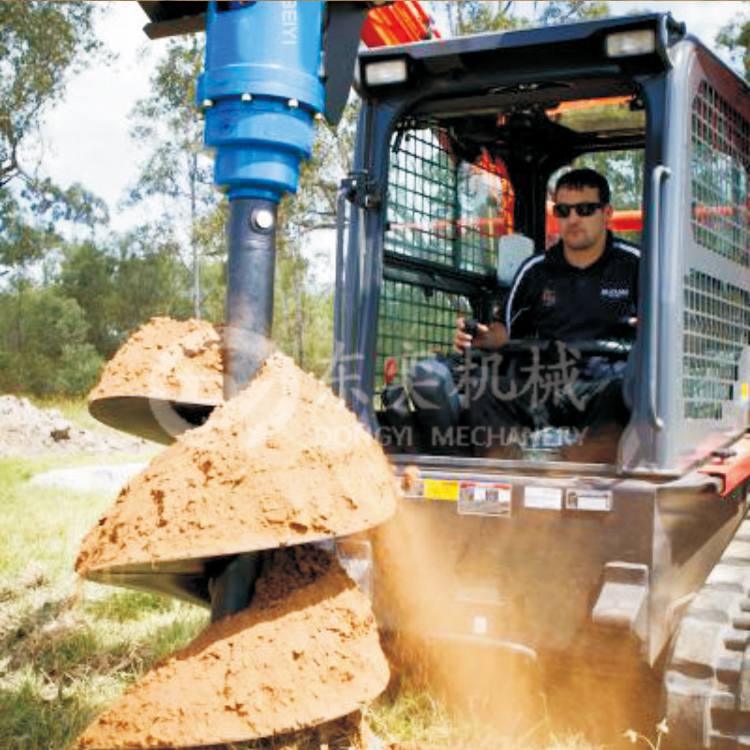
(583, 288)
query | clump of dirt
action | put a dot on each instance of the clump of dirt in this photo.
(179, 360)
(306, 650)
(283, 463)
(26, 430)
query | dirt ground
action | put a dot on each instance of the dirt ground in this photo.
(27, 431)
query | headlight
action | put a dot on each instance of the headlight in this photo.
(386, 72)
(627, 43)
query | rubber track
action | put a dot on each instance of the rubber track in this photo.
(707, 677)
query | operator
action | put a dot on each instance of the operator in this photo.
(585, 287)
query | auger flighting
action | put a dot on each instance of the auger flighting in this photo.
(255, 476)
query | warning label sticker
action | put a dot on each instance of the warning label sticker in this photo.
(543, 498)
(484, 499)
(588, 499)
(440, 489)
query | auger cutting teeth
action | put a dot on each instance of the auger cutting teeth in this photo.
(305, 652)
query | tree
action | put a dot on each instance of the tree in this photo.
(175, 169)
(43, 346)
(41, 44)
(88, 275)
(303, 324)
(735, 37)
(475, 16)
(150, 279)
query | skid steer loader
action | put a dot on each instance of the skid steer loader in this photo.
(638, 564)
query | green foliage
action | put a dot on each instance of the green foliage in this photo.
(477, 16)
(88, 275)
(303, 318)
(21, 242)
(735, 37)
(214, 285)
(78, 369)
(41, 43)
(38, 329)
(56, 339)
(175, 169)
(150, 279)
(68, 649)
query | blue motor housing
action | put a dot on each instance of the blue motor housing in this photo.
(260, 90)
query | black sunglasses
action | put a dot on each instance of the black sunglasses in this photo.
(562, 210)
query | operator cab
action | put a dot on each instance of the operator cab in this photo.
(469, 200)
(460, 145)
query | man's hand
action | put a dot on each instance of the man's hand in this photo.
(488, 337)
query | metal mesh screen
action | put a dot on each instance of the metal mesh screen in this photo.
(716, 313)
(716, 325)
(413, 324)
(720, 157)
(444, 210)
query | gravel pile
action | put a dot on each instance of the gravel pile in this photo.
(26, 430)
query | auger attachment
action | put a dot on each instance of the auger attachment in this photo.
(166, 379)
(282, 463)
(279, 463)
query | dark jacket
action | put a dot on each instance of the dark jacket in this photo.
(551, 299)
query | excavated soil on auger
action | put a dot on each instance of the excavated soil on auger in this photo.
(170, 359)
(165, 379)
(283, 463)
(307, 642)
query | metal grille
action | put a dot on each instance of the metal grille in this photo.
(441, 210)
(716, 325)
(720, 157)
(413, 324)
(444, 210)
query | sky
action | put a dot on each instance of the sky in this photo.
(86, 137)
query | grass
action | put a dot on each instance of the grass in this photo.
(69, 648)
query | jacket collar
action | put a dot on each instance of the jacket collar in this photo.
(556, 254)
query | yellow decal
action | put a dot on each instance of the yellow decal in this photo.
(440, 489)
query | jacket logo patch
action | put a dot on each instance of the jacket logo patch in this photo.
(548, 297)
(616, 293)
